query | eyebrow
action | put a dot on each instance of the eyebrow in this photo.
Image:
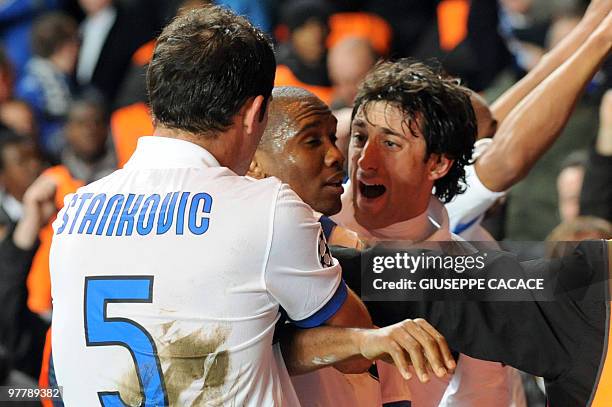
(361, 123)
(309, 126)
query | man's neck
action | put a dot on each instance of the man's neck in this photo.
(222, 146)
(416, 228)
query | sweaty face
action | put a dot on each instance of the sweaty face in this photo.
(87, 131)
(308, 160)
(388, 169)
(21, 167)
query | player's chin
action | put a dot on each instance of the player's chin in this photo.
(329, 205)
(369, 214)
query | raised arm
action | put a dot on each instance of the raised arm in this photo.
(597, 11)
(536, 122)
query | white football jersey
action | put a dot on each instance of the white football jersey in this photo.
(466, 211)
(167, 278)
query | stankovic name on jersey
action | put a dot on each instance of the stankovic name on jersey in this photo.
(122, 214)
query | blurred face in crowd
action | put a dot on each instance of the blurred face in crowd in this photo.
(348, 63)
(21, 166)
(67, 55)
(18, 116)
(392, 179)
(309, 41)
(302, 152)
(87, 130)
(91, 7)
(569, 185)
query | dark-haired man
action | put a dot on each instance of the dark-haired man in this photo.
(298, 147)
(168, 275)
(412, 132)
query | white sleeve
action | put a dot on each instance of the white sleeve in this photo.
(467, 209)
(300, 273)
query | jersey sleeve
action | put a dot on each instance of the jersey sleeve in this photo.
(468, 208)
(300, 273)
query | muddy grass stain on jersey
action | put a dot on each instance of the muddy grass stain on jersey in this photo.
(194, 369)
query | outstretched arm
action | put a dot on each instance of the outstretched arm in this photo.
(536, 122)
(597, 11)
(408, 342)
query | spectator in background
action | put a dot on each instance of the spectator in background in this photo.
(302, 61)
(14, 114)
(569, 184)
(348, 63)
(46, 85)
(111, 32)
(19, 167)
(22, 333)
(16, 18)
(18, 116)
(596, 194)
(87, 157)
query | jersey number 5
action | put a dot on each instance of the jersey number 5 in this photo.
(100, 330)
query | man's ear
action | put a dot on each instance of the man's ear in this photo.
(255, 169)
(438, 166)
(252, 114)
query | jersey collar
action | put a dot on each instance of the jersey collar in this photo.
(166, 152)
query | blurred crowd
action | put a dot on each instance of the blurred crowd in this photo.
(73, 104)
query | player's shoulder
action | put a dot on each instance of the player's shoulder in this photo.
(99, 185)
(282, 192)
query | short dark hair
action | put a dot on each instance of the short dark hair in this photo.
(205, 66)
(277, 131)
(51, 31)
(439, 104)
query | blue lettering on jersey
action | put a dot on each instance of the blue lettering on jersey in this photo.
(127, 215)
(181, 213)
(83, 198)
(153, 203)
(127, 210)
(92, 213)
(195, 203)
(117, 202)
(166, 215)
(65, 217)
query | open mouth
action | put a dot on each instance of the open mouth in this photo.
(371, 191)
